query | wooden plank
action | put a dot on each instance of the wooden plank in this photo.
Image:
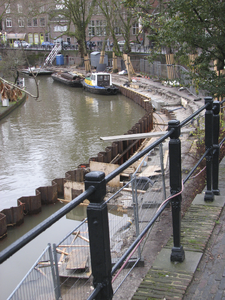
(60, 251)
(62, 255)
(155, 169)
(107, 169)
(77, 259)
(138, 136)
(83, 238)
(149, 171)
(130, 190)
(63, 200)
(76, 235)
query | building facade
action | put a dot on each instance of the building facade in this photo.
(20, 21)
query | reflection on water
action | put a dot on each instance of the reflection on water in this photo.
(43, 140)
(79, 213)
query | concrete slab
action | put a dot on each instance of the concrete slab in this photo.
(189, 265)
(218, 201)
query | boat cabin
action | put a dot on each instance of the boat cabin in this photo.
(101, 79)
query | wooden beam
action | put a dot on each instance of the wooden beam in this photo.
(139, 136)
(138, 191)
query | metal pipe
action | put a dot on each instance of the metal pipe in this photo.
(195, 167)
(193, 115)
(95, 292)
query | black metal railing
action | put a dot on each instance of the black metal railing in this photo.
(97, 214)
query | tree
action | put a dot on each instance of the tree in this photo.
(10, 64)
(9, 67)
(110, 15)
(77, 15)
(192, 27)
(119, 19)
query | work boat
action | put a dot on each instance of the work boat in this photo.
(100, 83)
(68, 78)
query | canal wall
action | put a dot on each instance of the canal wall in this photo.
(73, 184)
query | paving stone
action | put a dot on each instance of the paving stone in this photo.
(202, 231)
(219, 295)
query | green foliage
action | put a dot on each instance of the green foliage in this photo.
(186, 27)
(78, 13)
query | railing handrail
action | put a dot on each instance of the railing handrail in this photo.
(25, 239)
(95, 183)
(33, 233)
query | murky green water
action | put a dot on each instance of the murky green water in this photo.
(42, 140)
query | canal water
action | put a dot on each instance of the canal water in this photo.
(40, 141)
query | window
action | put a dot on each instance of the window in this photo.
(42, 22)
(46, 37)
(30, 38)
(8, 22)
(7, 8)
(36, 39)
(91, 28)
(100, 28)
(59, 28)
(21, 22)
(20, 8)
(117, 31)
(135, 29)
(60, 5)
(35, 22)
(29, 23)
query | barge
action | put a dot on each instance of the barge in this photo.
(68, 78)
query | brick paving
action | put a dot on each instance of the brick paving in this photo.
(209, 279)
(202, 274)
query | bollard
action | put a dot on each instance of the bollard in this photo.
(209, 196)
(175, 187)
(216, 147)
(98, 227)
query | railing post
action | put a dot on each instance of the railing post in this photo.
(209, 196)
(175, 187)
(216, 147)
(98, 227)
(57, 281)
(136, 209)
